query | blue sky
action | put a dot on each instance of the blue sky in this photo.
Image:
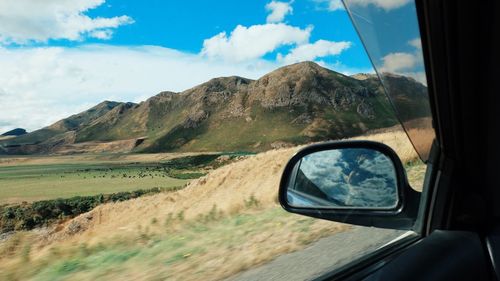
(61, 57)
(184, 25)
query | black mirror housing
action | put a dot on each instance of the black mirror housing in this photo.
(399, 215)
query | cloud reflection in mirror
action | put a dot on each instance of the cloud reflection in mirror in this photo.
(361, 178)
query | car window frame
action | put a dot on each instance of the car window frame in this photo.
(431, 212)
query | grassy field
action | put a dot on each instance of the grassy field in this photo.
(40, 178)
(32, 183)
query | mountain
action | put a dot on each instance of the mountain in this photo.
(15, 132)
(59, 133)
(294, 104)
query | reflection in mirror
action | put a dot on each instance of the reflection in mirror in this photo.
(353, 177)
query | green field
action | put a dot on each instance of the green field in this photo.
(39, 182)
(49, 179)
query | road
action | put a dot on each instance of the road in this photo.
(322, 256)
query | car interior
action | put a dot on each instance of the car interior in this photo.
(460, 43)
(460, 231)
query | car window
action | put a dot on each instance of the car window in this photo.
(392, 39)
(145, 140)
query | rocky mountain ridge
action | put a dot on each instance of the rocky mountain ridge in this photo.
(15, 132)
(294, 104)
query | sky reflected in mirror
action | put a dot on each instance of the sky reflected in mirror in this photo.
(345, 178)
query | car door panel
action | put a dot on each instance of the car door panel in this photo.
(443, 255)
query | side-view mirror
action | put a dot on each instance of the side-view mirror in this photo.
(355, 182)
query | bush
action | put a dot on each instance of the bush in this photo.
(189, 162)
(252, 202)
(43, 213)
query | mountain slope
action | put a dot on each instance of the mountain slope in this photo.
(60, 132)
(15, 132)
(294, 104)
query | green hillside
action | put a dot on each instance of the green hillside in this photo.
(71, 123)
(294, 104)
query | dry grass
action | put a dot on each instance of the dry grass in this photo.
(421, 132)
(423, 138)
(6, 137)
(395, 138)
(120, 146)
(219, 225)
(193, 250)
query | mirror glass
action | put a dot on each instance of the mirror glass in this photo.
(344, 178)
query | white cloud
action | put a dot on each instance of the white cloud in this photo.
(338, 173)
(102, 34)
(416, 43)
(406, 64)
(417, 75)
(387, 5)
(25, 21)
(335, 5)
(39, 86)
(338, 66)
(278, 11)
(396, 62)
(329, 5)
(312, 51)
(248, 43)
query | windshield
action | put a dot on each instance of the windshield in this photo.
(145, 140)
(390, 34)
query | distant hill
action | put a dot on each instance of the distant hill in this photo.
(16, 132)
(59, 133)
(294, 104)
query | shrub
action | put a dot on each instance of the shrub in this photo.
(252, 202)
(43, 213)
(180, 216)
